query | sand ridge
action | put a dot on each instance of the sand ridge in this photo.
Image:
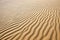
(29, 20)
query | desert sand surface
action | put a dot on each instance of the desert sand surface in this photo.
(29, 19)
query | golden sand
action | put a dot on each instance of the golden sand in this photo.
(29, 19)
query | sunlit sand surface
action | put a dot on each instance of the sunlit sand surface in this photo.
(29, 19)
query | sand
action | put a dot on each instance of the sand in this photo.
(29, 20)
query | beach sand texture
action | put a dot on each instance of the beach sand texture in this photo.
(29, 19)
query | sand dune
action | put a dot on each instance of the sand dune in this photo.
(29, 20)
